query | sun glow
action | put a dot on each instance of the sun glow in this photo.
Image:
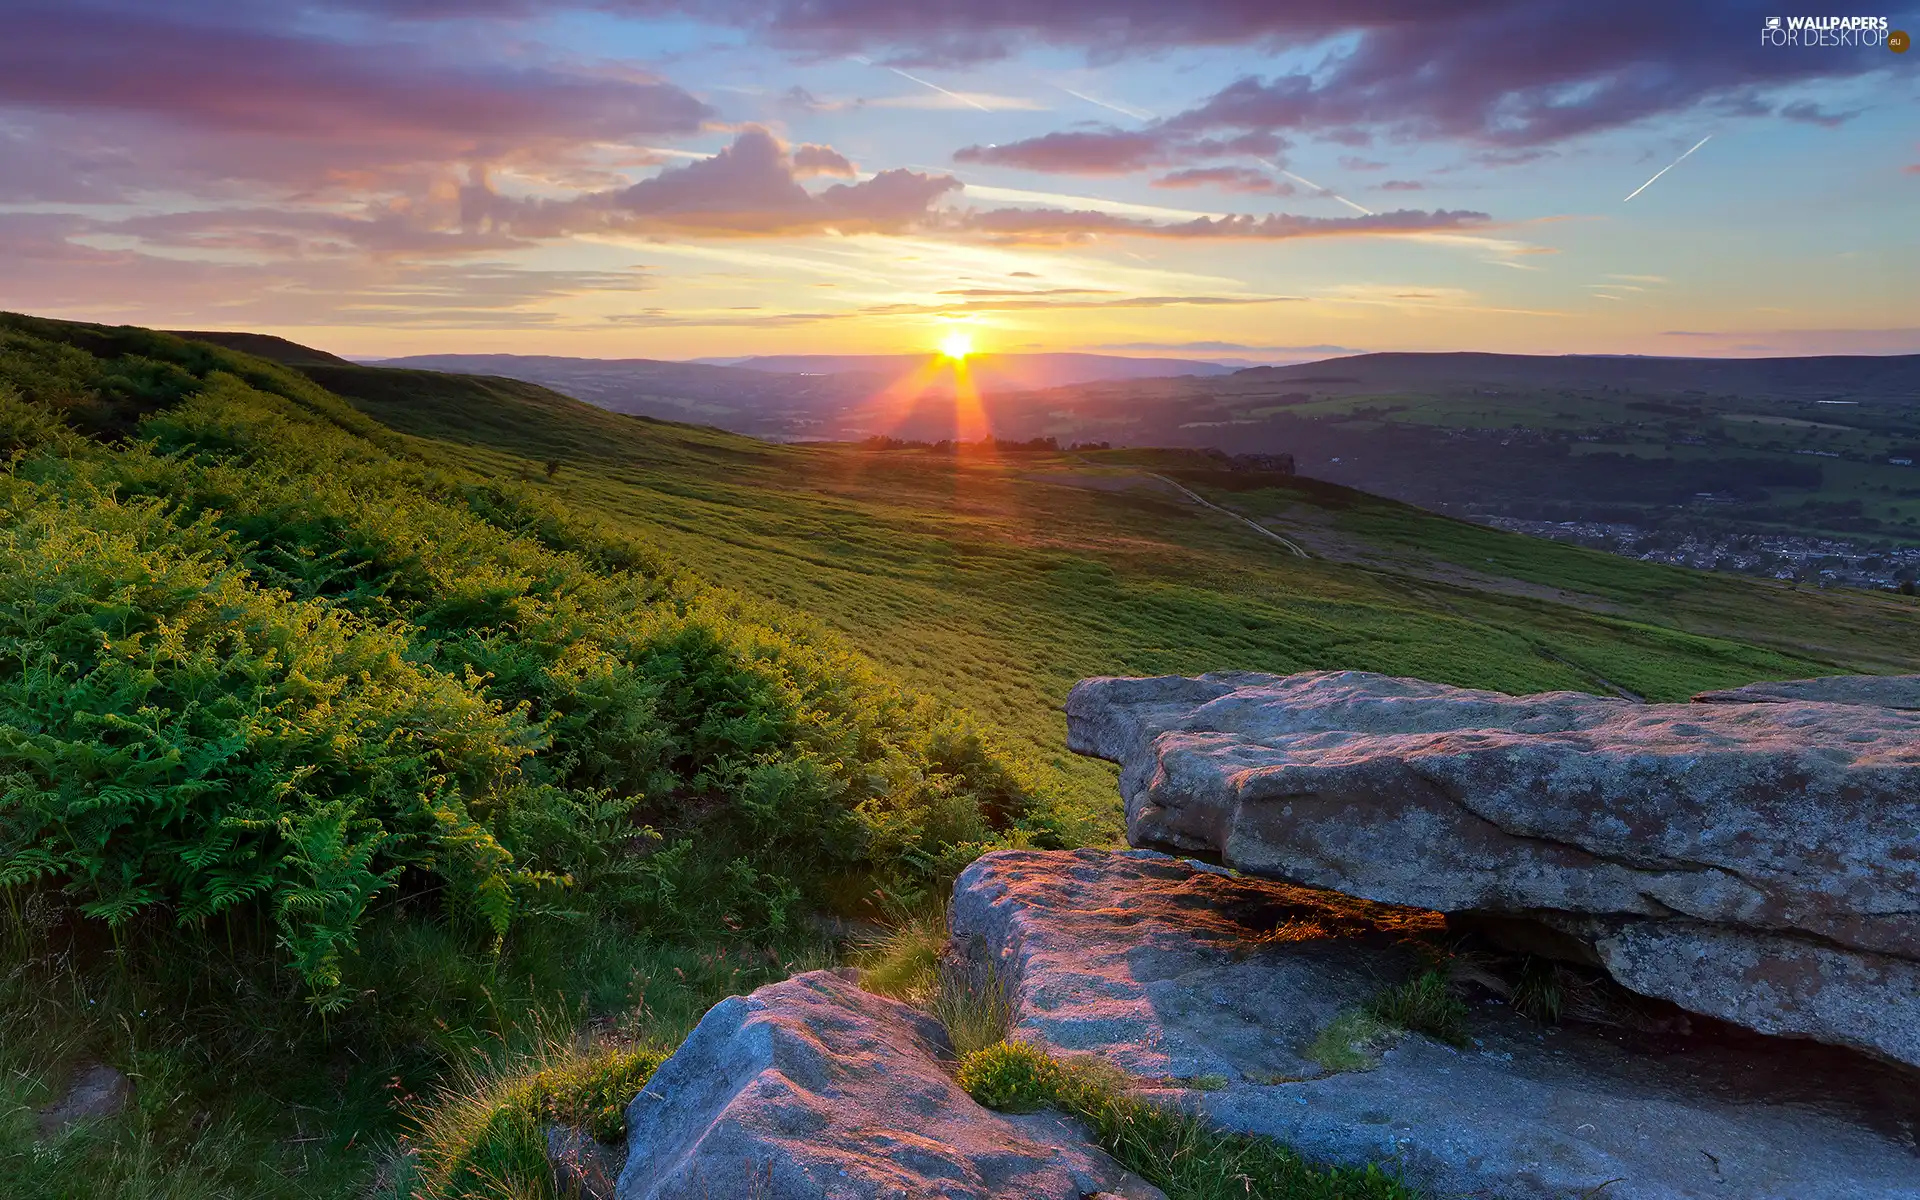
(957, 344)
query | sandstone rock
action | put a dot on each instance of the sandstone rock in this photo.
(98, 1091)
(1760, 823)
(811, 1089)
(1176, 971)
(1874, 691)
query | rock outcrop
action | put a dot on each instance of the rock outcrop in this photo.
(1757, 862)
(812, 1089)
(1874, 691)
(1213, 988)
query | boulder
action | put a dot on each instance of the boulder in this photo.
(97, 1092)
(1772, 846)
(1874, 691)
(812, 1089)
(1212, 988)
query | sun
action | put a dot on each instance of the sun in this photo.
(957, 344)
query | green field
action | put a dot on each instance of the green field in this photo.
(499, 734)
(1001, 580)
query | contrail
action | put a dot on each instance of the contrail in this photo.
(1138, 114)
(1670, 166)
(944, 92)
(1359, 208)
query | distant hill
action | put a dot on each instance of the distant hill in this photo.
(999, 371)
(1788, 445)
(265, 345)
(1861, 376)
(743, 401)
(1822, 445)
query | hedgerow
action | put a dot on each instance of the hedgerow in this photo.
(260, 656)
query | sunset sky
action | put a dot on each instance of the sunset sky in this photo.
(1241, 178)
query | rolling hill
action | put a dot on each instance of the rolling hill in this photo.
(398, 753)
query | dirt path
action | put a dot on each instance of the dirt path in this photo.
(1256, 526)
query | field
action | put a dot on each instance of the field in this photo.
(1000, 579)
(393, 755)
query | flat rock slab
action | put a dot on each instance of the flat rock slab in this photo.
(1765, 821)
(1873, 691)
(1177, 972)
(812, 1089)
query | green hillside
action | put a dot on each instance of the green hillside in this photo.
(384, 746)
(1000, 580)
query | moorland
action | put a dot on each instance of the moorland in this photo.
(399, 758)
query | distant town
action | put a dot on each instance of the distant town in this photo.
(1822, 562)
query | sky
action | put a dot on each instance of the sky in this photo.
(1255, 179)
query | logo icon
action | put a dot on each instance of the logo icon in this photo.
(1898, 41)
(1773, 23)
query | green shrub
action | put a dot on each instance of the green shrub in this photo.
(1012, 1077)
(270, 659)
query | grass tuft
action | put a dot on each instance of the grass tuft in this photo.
(974, 1003)
(483, 1133)
(1424, 1004)
(1174, 1150)
(904, 962)
(1012, 1077)
(968, 996)
(1352, 1041)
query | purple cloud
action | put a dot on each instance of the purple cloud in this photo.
(1106, 152)
(1227, 179)
(231, 100)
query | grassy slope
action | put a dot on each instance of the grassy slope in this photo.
(997, 583)
(994, 583)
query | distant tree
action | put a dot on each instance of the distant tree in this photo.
(553, 467)
(1906, 587)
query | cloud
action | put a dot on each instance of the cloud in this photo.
(1229, 348)
(1352, 163)
(1030, 226)
(1805, 341)
(1106, 152)
(1227, 179)
(663, 317)
(1012, 292)
(213, 98)
(1402, 185)
(1510, 74)
(809, 159)
(751, 188)
(51, 272)
(1809, 113)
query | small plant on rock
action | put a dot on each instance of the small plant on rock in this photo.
(1352, 1041)
(1012, 1077)
(1424, 1004)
